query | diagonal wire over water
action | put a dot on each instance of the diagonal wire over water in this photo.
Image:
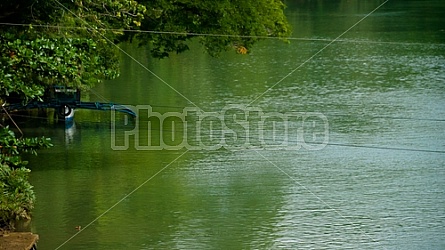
(288, 75)
(130, 56)
(122, 199)
(222, 35)
(317, 53)
(150, 178)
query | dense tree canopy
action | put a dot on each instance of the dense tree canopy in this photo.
(71, 42)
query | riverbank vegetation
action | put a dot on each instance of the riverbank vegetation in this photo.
(17, 196)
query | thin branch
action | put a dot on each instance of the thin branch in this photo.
(15, 124)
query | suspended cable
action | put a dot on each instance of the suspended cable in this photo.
(273, 111)
(99, 95)
(384, 148)
(293, 141)
(220, 35)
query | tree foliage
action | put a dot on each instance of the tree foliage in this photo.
(17, 196)
(76, 46)
(11, 147)
(228, 24)
(72, 50)
(31, 65)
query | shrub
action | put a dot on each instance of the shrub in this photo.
(17, 196)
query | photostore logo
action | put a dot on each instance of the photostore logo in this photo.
(233, 128)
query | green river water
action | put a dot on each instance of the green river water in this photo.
(362, 168)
